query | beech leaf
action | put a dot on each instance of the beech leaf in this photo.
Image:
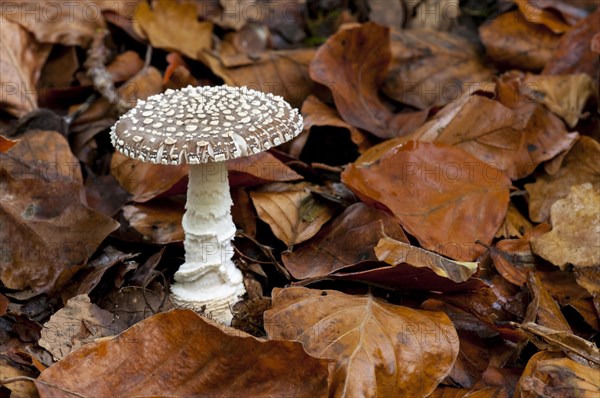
(179, 353)
(382, 350)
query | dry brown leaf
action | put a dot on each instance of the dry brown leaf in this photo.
(443, 196)
(513, 257)
(515, 224)
(6, 144)
(259, 169)
(317, 113)
(432, 68)
(293, 214)
(349, 240)
(565, 95)
(19, 389)
(536, 14)
(47, 232)
(158, 221)
(530, 369)
(561, 377)
(513, 140)
(511, 40)
(382, 350)
(145, 181)
(573, 54)
(21, 61)
(78, 323)
(395, 252)
(70, 23)
(542, 309)
(579, 166)
(173, 26)
(575, 347)
(487, 392)
(353, 64)
(283, 73)
(179, 353)
(575, 230)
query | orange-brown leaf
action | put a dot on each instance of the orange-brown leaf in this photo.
(179, 353)
(382, 350)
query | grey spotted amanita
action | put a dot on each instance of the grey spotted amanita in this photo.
(204, 127)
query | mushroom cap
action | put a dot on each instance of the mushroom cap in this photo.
(204, 124)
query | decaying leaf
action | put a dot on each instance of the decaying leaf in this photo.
(561, 377)
(158, 221)
(348, 240)
(579, 166)
(431, 68)
(144, 180)
(293, 213)
(396, 252)
(381, 350)
(78, 323)
(511, 40)
(441, 195)
(186, 35)
(179, 353)
(565, 95)
(70, 23)
(47, 233)
(543, 309)
(6, 144)
(259, 169)
(21, 61)
(432, 14)
(353, 63)
(575, 230)
(515, 224)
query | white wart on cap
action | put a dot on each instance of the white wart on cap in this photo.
(205, 124)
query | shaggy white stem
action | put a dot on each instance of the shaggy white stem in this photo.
(208, 281)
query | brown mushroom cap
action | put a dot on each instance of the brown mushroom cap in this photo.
(205, 124)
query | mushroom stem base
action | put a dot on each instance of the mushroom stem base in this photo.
(208, 282)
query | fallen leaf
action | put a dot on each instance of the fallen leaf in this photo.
(19, 389)
(6, 144)
(317, 113)
(70, 23)
(78, 323)
(431, 68)
(165, 354)
(511, 40)
(353, 64)
(513, 140)
(144, 180)
(47, 232)
(395, 252)
(96, 268)
(575, 230)
(382, 350)
(561, 377)
(293, 213)
(21, 61)
(542, 309)
(283, 73)
(574, 346)
(565, 95)
(530, 369)
(579, 166)
(348, 240)
(187, 35)
(158, 221)
(513, 258)
(259, 169)
(515, 224)
(487, 392)
(536, 14)
(441, 195)
(573, 54)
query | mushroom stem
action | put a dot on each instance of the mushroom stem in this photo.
(208, 281)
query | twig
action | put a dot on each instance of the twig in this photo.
(32, 380)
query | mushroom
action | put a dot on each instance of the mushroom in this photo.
(204, 127)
